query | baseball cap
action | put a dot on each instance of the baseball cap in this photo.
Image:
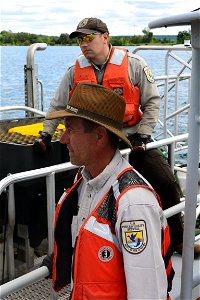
(89, 25)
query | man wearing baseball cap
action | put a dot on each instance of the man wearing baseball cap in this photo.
(88, 26)
(128, 75)
(110, 217)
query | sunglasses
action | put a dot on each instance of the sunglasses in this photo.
(87, 38)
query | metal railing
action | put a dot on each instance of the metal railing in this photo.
(25, 108)
(49, 173)
(171, 82)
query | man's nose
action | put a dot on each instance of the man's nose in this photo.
(64, 137)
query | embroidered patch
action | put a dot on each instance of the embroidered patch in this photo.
(134, 236)
(82, 23)
(71, 108)
(105, 253)
(118, 91)
(149, 74)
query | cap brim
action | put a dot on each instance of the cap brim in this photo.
(65, 114)
(79, 31)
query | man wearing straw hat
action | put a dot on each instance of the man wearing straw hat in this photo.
(128, 75)
(110, 220)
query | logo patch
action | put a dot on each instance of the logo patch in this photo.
(118, 91)
(149, 74)
(134, 236)
(83, 23)
(105, 253)
(75, 110)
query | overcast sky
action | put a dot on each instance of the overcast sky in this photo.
(123, 17)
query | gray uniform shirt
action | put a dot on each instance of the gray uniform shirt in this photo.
(150, 99)
(145, 271)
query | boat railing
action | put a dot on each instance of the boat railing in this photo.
(25, 108)
(49, 173)
(31, 79)
(193, 19)
(169, 83)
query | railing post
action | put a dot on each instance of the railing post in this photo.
(50, 185)
(30, 77)
(192, 167)
(10, 230)
(171, 149)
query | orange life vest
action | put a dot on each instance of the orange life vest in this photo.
(115, 78)
(98, 271)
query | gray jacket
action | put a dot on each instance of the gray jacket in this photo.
(139, 75)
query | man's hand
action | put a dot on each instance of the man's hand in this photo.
(43, 144)
(139, 141)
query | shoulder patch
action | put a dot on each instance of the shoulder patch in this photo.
(134, 236)
(149, 74)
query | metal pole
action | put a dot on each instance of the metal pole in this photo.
(192, 167)
(10, 230)
(50, 182)
(30, 76)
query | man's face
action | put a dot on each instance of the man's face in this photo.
(79, 143)
(93, 49)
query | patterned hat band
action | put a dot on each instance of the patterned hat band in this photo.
(94, 116)
(97, 104)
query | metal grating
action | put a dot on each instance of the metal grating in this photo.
(39, 290)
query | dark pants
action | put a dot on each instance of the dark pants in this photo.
(157, 171)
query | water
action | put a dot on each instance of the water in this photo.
(52, 64)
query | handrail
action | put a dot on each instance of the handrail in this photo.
(175, 47)
(22, 107)
(193, 19)
(30, 76)
(170, 82)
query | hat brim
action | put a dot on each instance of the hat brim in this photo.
(65, 114)
(81, 31)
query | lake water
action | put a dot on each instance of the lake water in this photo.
(52, 64)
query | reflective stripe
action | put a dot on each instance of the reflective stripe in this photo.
(117, 57)
(102, 230)
(83, 62)
(115, 187)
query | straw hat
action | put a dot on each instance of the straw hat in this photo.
(98, 104)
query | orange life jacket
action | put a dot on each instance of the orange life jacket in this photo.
(98, 271)
(115, 78)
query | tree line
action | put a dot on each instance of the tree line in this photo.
(26, 39)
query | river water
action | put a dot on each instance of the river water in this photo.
(52, 64)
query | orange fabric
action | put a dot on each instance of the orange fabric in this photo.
(103, 280)
(115, 78)
(93, 277)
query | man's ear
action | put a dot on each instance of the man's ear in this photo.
(101, 133)
(106, 38)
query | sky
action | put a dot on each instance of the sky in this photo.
(123, 17)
